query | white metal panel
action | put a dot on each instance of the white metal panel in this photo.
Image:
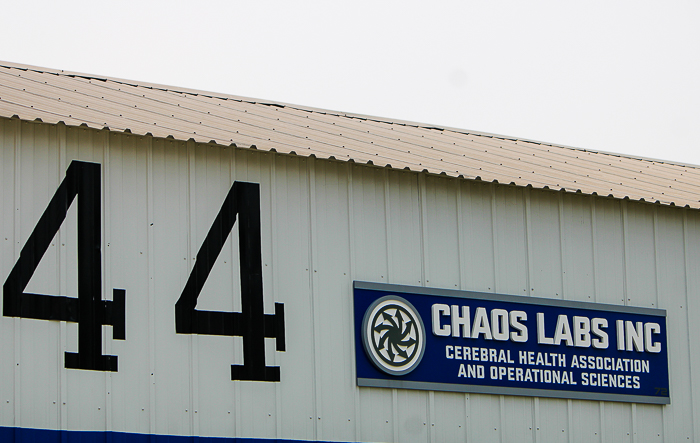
(404, 228)
(293, 266)
(476, 236)
(672, 288)
(7, 259)
(579, 283)
(510, 245)
(210, 357)
(609, 255)
(39, 403)
(441, 249)
(126, 246)
(405, 211)
(324, 224)
(691, 233)
(577, 250)
(332, 302)
(449, 416)
(369, 217)
(544, 263)
(86, 394)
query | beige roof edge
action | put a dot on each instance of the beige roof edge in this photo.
(330, 112)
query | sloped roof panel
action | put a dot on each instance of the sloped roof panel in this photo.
(52, 96)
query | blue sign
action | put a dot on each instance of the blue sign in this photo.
(447, 340)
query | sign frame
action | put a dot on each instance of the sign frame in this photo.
(398, 383)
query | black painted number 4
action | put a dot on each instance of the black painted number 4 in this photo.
(243, 200)
(88, 310)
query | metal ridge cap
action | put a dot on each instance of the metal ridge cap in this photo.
(378, 119)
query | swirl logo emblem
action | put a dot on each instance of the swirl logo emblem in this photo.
(393, 335)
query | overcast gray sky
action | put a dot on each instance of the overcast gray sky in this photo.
(602, 75)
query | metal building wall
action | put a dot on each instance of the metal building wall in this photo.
(324, 224)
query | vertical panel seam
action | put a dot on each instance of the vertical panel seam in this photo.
(194, 412)
(626, 272)
(425, 276)
(192, 247)
(501, 416)
(562, 248)
(431, 407)
(594, 249)
(693, 386)
(62, 159)
(564, 296)
(313, 284)
(602, 422)
(625, 252)
(528, 241)
(351, 250)
(655, 222)
(594, 252)
(494, 237)
(468, 434)
(389, 276)
(275, 275)
(422, 202)
(387, 227)
(536, 418)
(17, 232)
(237, 427)
(528, 248)
(151, 284)
(106, 267)
(462, 278)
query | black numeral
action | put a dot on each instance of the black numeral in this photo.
(243, 200)
(661, 391)
(88, 310)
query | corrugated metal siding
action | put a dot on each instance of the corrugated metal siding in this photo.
(325, 224)
(79, 99)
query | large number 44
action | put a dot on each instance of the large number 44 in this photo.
(91, 312)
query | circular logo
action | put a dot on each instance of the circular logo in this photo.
(393, 335)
